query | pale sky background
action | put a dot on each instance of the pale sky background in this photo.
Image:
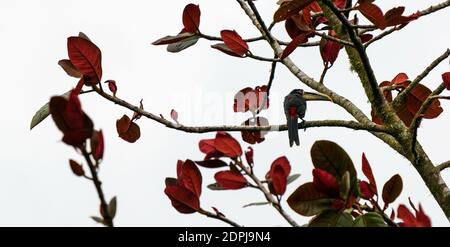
(37, 187)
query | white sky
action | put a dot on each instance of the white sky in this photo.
(37, 187)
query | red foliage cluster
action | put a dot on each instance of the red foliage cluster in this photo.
(414, 100)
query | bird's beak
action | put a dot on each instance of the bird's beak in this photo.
(316, 97)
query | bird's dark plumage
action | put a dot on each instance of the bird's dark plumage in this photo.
(294, 108)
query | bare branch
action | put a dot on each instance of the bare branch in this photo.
(435, 8)
(402, 96)
(220, 217)
(204, 129)
(444, 166)
(98, 186)
(274, 202)
(328, 37)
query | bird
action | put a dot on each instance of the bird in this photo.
(295, 108)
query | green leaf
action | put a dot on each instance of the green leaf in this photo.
(256, 204)
(369, 220)
(98, 220)
(332, 219)
(215, 186)
(392, 189)
(344, 185)
(292, 178)
(43, 112)
(307, 201)
(183, 44)
(112, 207)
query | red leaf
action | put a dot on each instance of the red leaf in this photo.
(325, 182)
(191, 18)
(127, 130)
(279, 171)
(234, 42)
(112, 86)
(69, 68)
(409, 220)
(367, 170)
(373, 13)
(329, 50)
(340, 3)
(366, 37)
(70, 119)
(97, 145)
(215, 163)
(289, 9)
(230, 180)
(77, 169)
(416, 98)
(394, 17)
(224, 48)
(366, 191)
(392, 189)
(300, 39)
(87, 58)
(399, 79)
(446, 80)
(253, 137)
(183, 200)
(174, 115)
(190, 177)
(249, 155)
(207, 147)
(251, 99)
(227, 145)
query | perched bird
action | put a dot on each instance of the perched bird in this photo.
(295, 108)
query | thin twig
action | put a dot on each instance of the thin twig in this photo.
(269, 86)
(326, 67)
(214, 38)
(328, 37)
(268, 195)
(402, 96)
(220, 217)
(98, 186)
(264, 59)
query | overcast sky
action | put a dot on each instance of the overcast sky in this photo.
(37, 187)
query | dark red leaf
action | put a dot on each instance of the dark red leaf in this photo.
(249, 155)
(234, 42)
(127, 130)
(416, 98)
(191, 18)
(394, 17)
(366, 191)
(76, 168)
(190, 177)
(251, 99)
(367, 170)
(308, 201)
(214, 163)
(70, 119)
(87, 58)
(392, 189)
(366, 37)
(97, 145)
(289, 9)
(207, 147)
(69, 68)
(325, 182)
(230, 180)
(183, 200)
(227, 145)
(253, 137)
(373, 13)
(112, 86)
(224, 48)
(340, 3)
(446, 80)
(300, 39)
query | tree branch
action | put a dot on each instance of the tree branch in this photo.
(337, 40)
(444, 166)
(402, 96)
(204, 129)
(220, 217)
(98, 186)
(275, 203)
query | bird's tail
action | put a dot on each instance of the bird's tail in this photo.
(292, 124)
